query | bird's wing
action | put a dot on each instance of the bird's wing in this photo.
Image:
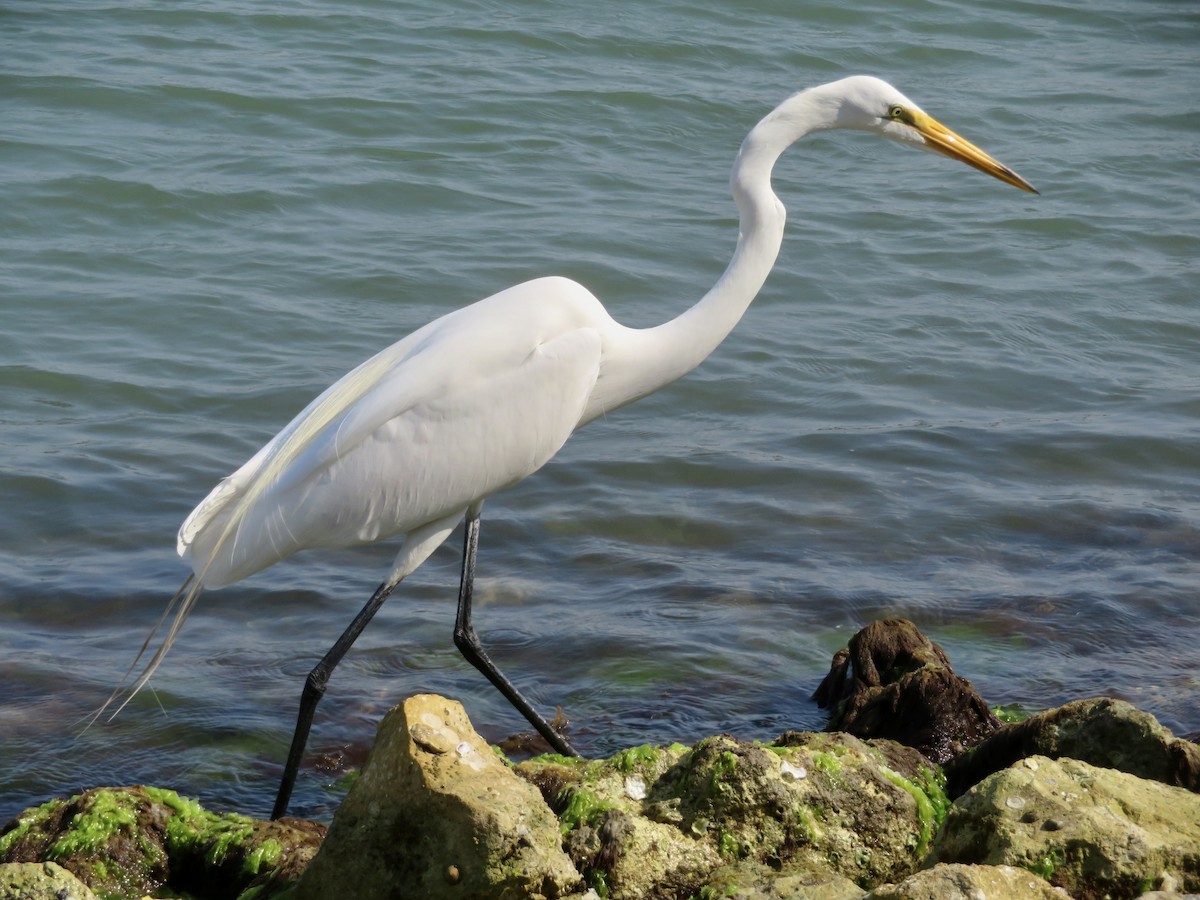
(273, 460)
(448, 416)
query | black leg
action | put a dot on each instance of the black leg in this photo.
(468, 644)
(314, 689)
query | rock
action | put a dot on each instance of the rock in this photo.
(961, 882)
(41, 881)
(131, 841)
(1166, 887)
(1108, 733)
(1094, 832)
(753, 882)
(814, 809)
(893, 682)
(436, 813)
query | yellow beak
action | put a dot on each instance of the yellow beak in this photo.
(940, 138)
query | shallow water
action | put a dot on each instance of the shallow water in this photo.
(953, 401)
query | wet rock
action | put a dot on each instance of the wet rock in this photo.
(41, 881)
(436, 813)
(816, 809)
(524, 744)
(754, 882)
(893, 682)
(1108, 733)
(962, 882)
(1094, 832)
(126, 842)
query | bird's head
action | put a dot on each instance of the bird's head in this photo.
(871, 104)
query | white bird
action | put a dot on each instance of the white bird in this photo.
(417, 437)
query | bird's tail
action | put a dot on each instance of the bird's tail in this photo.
(227, 515)
(181, 605)
(226, 510)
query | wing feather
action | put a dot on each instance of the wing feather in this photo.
(466, 406)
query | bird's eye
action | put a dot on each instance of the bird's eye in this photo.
(896, 112)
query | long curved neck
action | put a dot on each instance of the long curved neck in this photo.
(645, 360)
(685, 341)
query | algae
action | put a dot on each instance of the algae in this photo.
(125, 842)
(194, 831)
(926, 814)
(560, 760)
(828, 764)
(34, 816)
(582, 808)
(91, 829)
(1049, 863)
(723, 767)
(598, 882)
(728, 846)
(635, 757)
(1011, 712)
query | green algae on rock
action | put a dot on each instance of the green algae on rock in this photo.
(662, 822)
(439, 814)
(127, 842)
(1094, 832)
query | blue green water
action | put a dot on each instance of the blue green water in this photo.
(953, 401)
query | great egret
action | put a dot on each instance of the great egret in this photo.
(418, 436)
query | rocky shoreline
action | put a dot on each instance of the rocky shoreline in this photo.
(918, 790)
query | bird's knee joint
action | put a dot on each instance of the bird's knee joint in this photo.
(315, 683)
(466, 640)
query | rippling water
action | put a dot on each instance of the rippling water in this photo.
(953, 401)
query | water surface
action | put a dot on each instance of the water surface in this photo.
(952, 402)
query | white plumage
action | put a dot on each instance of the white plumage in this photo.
(418, 436)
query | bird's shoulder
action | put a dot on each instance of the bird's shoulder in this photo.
(531, 339)
(479, 346)
(519, 317)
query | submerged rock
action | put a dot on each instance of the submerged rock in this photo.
(1108, 733)
(893, 682)
(126, 842)
(437, 813)
(1094, 832)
